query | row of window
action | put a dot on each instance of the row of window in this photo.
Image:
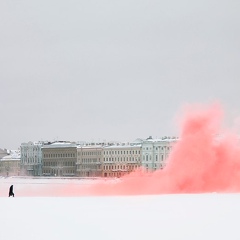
(90, 160)
(6, 167)
(58, 155)
(55, 171)
(122, 152)
(83, 153)
(32, 149)
(89, 174)
(158, 148)
(30, 155)
(55, 164)
(121, 159)
(155, 165)
(113, 174)
(120, 167)
(148, 157)
(31, 160)
(90, 167)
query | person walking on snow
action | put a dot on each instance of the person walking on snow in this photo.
(11, 191)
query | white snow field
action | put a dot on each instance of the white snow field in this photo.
(173, 216)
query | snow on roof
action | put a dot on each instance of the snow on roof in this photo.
(60, 144)
(90, 147)
(36, 143)
(10, 158)
(122, 146)
(161, 140)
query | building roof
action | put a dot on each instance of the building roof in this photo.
(161, 140)
(60, 145)
(90, 147)
(9, 158)
(122, 146)
(37, 143)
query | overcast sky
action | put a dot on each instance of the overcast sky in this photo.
(113, 70)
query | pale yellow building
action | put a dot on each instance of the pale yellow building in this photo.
(89, 161)
(120, 160)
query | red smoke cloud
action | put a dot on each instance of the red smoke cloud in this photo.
(201, 161)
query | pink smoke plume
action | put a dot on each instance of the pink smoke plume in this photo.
(205, 159)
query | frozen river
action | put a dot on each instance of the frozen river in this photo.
(173, 216)
(50, 187)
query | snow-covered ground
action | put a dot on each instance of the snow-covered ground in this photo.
(173, 216)
(51, 187)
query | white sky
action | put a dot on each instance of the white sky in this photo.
(112, 70)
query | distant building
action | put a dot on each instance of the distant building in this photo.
(89, 161)
(10, 164)
(103, 159)
(31, 158)
(155, 152)
(59, 159)
(120, 160)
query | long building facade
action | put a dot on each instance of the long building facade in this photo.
(94, 160)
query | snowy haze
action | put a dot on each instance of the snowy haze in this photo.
(112, 70)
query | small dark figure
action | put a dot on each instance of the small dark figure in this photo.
(11, 191)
